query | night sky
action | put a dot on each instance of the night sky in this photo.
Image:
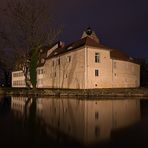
(120, 24)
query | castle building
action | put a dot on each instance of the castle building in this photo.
(83, 64)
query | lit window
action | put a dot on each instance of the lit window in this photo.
(96, 72)
(97, 57)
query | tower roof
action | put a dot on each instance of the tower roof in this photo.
(91, 34)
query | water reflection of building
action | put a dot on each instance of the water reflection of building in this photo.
(87, 121)
(20, 106)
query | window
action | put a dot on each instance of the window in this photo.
(97, 57)
(69, 59)
(41, 71)
(96, 72)
(97, 131)
(65, 75)
(18, 74)
(96, 115)
(58, 61)
(52, 63)
(115, 65)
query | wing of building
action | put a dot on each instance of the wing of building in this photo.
(83, 64)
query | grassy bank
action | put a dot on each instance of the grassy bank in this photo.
(118, 92)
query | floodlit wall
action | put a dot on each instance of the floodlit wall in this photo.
(125, 74)
(104, 67)
(77, 70)
(40, 75)
(65, 71)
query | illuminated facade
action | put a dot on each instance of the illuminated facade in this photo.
(85, 64)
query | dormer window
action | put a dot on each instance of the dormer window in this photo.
(70, 47)
(55, 53)
(130, 58)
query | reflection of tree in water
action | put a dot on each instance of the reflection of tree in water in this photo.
(19, 128)
(25, 107)
(32, 112)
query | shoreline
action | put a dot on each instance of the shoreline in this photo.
(87, 93)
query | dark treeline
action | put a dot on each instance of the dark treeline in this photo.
(143, 72)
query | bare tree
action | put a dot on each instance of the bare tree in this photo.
(29, 26)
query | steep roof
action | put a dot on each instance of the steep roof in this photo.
(44, 50)
(75, 45)
(120, 55)
(87, 41)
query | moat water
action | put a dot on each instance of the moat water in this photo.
(71, 122)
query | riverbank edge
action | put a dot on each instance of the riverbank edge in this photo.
(105, 92)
